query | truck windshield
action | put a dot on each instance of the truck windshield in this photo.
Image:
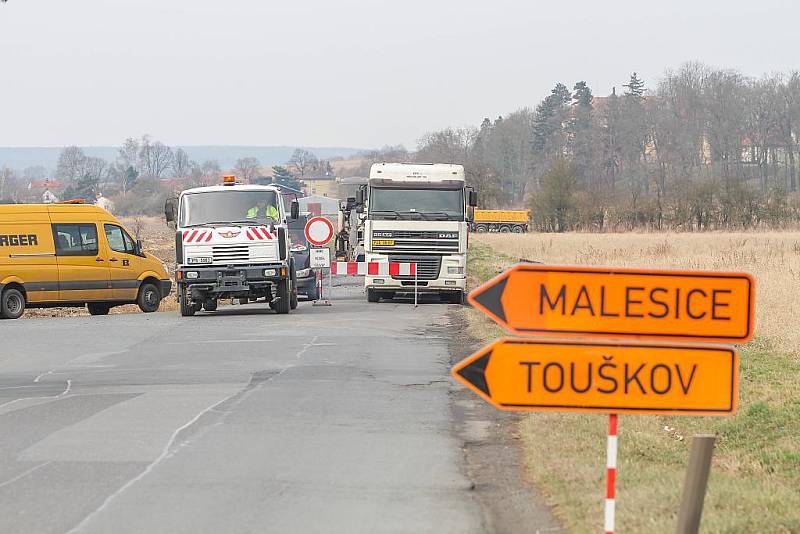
(432, 204)
(229, 207)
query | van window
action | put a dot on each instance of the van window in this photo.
(75, 239)
(118, 239)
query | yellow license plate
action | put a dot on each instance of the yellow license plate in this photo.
(383, 242)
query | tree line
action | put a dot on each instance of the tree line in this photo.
(699, 148)
(145, 172)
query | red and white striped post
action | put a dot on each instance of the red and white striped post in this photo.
(611, 466)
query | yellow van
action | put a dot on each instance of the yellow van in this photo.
(73, 255)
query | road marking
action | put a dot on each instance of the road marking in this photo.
(65, 392)
(24, 474)
(167, 452)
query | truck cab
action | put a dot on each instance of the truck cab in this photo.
(417, 213)
(232, 241)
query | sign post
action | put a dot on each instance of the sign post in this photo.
(320, 258)
(319, 232)
(654, 356)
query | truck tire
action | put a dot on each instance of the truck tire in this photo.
(187, 308)
(284, 303)
(373, 296)
(481, 228)
(149, 298)
(243, 300)
(504, 229)
(518, 229)
(210, 305)
(98, 308)
(12, 304)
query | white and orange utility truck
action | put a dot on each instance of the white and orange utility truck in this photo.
(418, 213)
(232, 241)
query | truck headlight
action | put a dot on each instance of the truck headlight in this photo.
(302, 273)
(191, 275)
(270, 272)
(455, 270)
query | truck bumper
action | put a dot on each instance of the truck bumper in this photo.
(230, 282)
(446, 281)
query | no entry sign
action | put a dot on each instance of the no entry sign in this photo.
(588, 376)
(654, 304)
(319, 231)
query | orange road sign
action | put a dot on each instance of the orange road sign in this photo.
(588, 376)
(531, 299)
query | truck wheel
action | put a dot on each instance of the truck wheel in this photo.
(149, 298)
(504, 229)
(243, 300)
(187, 307)
(518, 229)
(284, 303)
(12, 304)
(293, 303)
(210, 305)
(481, 228)
(373, 296)
(97, 308)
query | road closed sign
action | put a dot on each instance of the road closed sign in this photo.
(319, 231)
(532, 299)
(588, 376)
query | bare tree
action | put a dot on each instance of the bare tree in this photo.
(180, 164)
(302, 161)
(155, 158)
(71, 164)
(247, 168)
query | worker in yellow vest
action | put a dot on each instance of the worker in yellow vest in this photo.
(263, 209)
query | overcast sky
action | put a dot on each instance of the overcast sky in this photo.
(344, 73)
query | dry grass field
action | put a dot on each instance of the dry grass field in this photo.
(756, 472)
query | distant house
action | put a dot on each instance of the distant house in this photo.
(48, 197)
(320, 205)
(105, 203)
(320, 183)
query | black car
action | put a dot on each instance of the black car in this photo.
(306, 276)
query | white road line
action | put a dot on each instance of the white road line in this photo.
(43, 374)
(24, 474)
(65, 392)
(165, 454)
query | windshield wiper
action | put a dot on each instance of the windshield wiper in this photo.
(444, 214)
(391, 212)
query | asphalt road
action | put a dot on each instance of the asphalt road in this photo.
(325, 420)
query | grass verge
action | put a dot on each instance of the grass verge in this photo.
(755, 478)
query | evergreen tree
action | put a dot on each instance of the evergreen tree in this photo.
(84, 187)
(547, 120)
(283, 176)
(635, 86)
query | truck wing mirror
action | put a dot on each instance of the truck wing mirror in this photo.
(295, 210)
(138, 249)
(473, 199)
(360, 196)
(170, 210)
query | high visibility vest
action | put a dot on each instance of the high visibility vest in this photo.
(271, 212)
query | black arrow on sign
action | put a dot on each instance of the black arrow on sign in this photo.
(475, 373)
(490, 298)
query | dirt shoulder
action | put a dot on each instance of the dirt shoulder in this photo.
(493, 453)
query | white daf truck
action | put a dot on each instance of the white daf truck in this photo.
(232, 241)
(417, 213)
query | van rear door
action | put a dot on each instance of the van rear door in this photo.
(83, 272)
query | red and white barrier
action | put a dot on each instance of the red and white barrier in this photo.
(611, 466)
(373, 268)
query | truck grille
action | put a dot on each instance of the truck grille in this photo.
(230, 253)
(416, 241)
(428, 267)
